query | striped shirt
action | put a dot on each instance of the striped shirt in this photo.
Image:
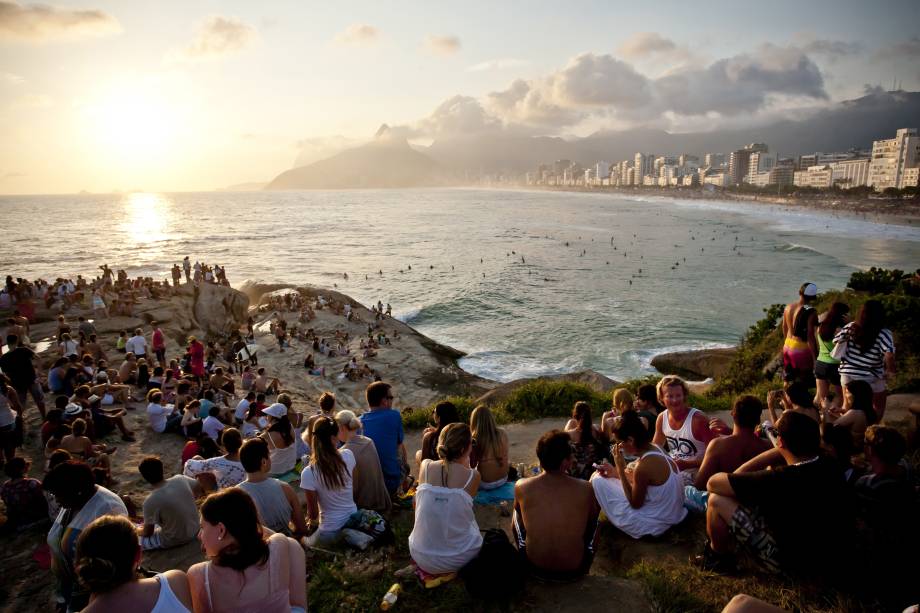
(859, 363)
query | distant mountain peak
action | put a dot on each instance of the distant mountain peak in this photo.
(383, 131)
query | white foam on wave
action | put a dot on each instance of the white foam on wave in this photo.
(406, 315)
(505, 366)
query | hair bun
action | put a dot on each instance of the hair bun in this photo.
(97, 574)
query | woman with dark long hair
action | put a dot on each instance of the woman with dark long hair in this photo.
(108, 557)
(444, 414)
(245, 570)
(868, 354)
(280, 438)
(827, 375)
(587, 441)
(860, 413)
(327, 482)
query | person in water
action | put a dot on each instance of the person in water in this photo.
(800, 347)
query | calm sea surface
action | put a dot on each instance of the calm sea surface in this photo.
(526, 282)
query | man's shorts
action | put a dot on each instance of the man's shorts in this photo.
(750, 529)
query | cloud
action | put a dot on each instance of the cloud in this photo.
(904, 50)
(219, 36)
(459, 115)
(642, 44)
(442, 45)
(41, 23)
(33, 101)
(11, 79)
(832, 48)
(497, 64)
(358, 34)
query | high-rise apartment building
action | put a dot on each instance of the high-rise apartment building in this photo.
(892, 157)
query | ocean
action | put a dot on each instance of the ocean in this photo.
(526, 283)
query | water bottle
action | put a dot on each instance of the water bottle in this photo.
(389, 599)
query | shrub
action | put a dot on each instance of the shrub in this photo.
(876, 280)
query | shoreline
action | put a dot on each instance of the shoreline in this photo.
(858, 208)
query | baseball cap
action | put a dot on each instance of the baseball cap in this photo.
(810, 290)
(276, 410)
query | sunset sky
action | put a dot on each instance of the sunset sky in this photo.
(194, 95)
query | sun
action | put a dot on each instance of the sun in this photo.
(133, 122)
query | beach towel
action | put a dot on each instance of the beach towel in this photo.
(496, 496)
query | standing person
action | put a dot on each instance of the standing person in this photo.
(868, 353)
(187, 268)
(827, 375)
(490, 448)
(680, 430)
(327, 483)
(383, 425)
(648, 499)
(370, 489)
(277, 503)
(10, 420)
(196, 356)
(18, 364)
(800, 347)
(107, 562)
(81, 500)
(764, 510)
(99, 307)
(446, 537)
(557, 540)
(137, 344)
(170, 514)
(158, 343)
(245, 570)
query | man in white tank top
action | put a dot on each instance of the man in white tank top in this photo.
(680, 430)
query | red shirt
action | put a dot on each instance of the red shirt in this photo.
(158, 341)
(190, 450)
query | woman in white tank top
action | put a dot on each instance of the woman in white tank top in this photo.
(108, 555)
(446, 536)
(647, 499)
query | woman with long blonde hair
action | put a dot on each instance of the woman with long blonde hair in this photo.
(490, 449)
(622, 401)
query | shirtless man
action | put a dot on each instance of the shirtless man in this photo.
(682, 431)
(800, 348)
(93, 348)
(795, 398)
(557, 539)
(725, 454)
(266, 384)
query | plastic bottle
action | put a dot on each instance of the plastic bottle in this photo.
(389, 599)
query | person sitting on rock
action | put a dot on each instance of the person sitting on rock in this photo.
(163, 418)
(588, 442)
(646, 497)
(727, 453)
(170, 514)
(276, 501)
(557, 540)
(765, 510)
(682, 431)
(622, 401)
(265, 384)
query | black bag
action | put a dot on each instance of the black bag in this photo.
(496, 573)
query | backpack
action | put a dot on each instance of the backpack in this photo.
(497, 572)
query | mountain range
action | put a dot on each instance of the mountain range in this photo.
(388, 161)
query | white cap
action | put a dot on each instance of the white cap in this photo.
(276, 410)
(810, 290)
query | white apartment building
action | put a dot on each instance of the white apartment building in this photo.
(851, 173)
(821, 177)
(890, 159)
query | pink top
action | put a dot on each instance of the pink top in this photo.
(279, 598)
(158, 341)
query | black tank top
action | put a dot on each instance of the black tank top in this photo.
(800, 324)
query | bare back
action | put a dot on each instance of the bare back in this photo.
(555, 510)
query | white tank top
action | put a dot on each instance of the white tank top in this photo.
(681, 444)
(167, 601)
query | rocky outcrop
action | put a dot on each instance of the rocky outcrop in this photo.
(219, 309)
(701, 364)
(590, 378)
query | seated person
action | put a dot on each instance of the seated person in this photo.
(265, 384)
(107, 558)
(22, 495)
(221, 382)
(79, 445)
(211, 425)
(191, 423)
(163, 418)
(226, 469)
(248, 378)
(444, 414)
(170, 514)
(383, 425)
(127, 372)
(327, 483)
(767, 511)
(107, 420)
(242, 408)
(727, 453)
(232, 537)
(860, 413)
(684, 432)
(490, 449)
(622, 401)
(587, 441)
(205, 403)
(276, 501)
(370, 489)
(795, 397)
(647, 497)
(445, 536)
(557, 540)
(886, 493)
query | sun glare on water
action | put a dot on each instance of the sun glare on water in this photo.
(146, 218)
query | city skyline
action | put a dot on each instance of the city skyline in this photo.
(102, 95)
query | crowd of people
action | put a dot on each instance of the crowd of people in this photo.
(259, 481)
